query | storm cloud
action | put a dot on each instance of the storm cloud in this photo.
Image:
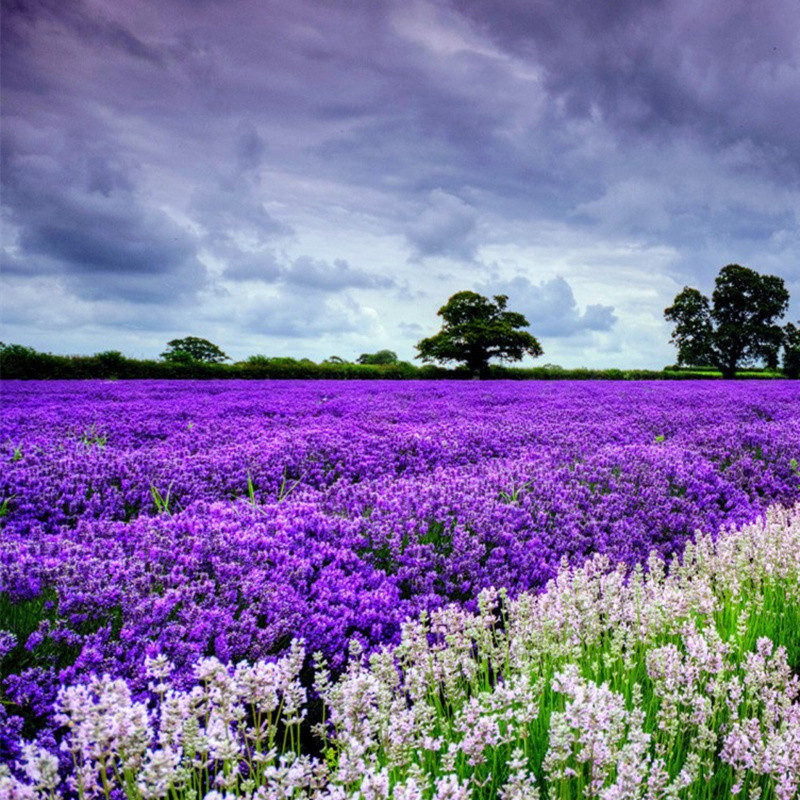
(318, 176)
(77, 215)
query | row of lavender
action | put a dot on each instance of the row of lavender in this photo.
(680, 683)
(223, 520)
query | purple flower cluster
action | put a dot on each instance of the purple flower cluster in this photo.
(225, 518)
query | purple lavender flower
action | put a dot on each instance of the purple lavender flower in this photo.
(292, 517)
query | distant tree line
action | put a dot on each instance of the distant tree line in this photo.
(736, 332)
(21, 362)
(24, 363)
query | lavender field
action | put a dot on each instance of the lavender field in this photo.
(498, 550)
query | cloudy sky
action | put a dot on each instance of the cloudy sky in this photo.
(317, 177)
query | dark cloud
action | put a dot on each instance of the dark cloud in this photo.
(727, 70)
(142, 141)
(230, 214)
(250, 147)
(446, 227)
(77, 215)
(99, 30)
(443, 125)
(90, 25)
(230, 207)
(550, 307)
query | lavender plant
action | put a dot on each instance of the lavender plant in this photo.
(335, 512)
(598, 687)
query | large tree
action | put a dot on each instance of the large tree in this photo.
(193, 348)
(476, 329)
(737, 327)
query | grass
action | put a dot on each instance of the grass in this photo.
(161, 501)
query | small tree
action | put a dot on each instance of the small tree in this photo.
(477, 329)
(111, 363)
(381, 357)
(737, 327)
(192, 348)
(258, 360)
(791, 350)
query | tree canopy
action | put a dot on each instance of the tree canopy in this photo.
(193, 348)
(477, 329)
(791, 350)
(381, 357)
(737, 327)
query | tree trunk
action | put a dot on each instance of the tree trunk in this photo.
(478, 365)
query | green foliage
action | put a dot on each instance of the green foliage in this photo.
(45, 366)
(477, 329)
(287, 487)
(160, 501)
(32, 621)
(111, 363)
(513, 494)
(22, 617)
(791, 350)
(736, 328)
(693, 333)
(329, 369)
(745, 306)
(381, 357)
(193, 348)
(257, 360)
(179, 357)
(18, 361)
(94, 437)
